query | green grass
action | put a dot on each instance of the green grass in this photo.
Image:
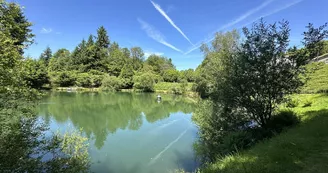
(167, 86)
(301, 149)
(318, 82)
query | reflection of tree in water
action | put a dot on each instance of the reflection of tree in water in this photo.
(102, 113)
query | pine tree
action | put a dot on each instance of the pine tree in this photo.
(46, 55)
(102, 38)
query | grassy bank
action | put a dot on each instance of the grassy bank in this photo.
(300, 149)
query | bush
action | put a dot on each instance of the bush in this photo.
(183, 86)
(284, 119)
(63, 79)
(171, 75)
(176, 90)
(111, 83)
(83, 80)
(144, 82)
(97, 80)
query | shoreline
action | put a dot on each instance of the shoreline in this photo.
(189, 94)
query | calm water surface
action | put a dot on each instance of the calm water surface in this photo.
(128, 132)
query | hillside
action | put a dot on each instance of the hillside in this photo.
(318, 79)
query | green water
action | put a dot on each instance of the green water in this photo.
(128, 132)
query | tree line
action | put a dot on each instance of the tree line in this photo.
(99, 63)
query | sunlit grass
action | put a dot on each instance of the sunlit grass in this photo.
(300, 149)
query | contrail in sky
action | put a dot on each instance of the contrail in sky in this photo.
(156, 35)
(247, 14)
(160, 10)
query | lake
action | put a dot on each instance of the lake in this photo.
(128, 132)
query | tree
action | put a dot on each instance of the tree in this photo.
(223, 45)
(137, 55)
(102, 38)
(111, 83)
(35, 73)
(14, 23)
(90, 41)
(46, 55)
(60, 61)
(115, 62)
(249, 81)
(188, 75)
(144, 82)
(171, 75)
(127, 74)
(313, 40)
(23, 143)
(126, 52)
(265, 73)
(159, 64)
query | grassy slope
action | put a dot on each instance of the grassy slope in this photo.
(301, 149)
(318, 81)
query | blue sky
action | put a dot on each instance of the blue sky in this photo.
(173, 28)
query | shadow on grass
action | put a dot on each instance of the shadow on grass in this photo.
(300, 149)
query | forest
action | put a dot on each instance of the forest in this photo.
(100, 63)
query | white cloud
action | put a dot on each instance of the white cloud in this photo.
(156, 35)
(46, 31)
(160, 10)
(244, 16)
(148, 53)
(58, 33)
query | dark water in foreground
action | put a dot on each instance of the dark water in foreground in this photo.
(128, 132)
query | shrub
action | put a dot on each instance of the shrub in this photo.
(176, 90)
(183, 86)
(83, 80)
(144, 82)
(63, 79)
(97, 80)
(284, 119)
(111, 83)
(171, 75)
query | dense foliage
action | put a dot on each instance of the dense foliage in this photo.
(24, 146)
(245, 82)
(92, 61)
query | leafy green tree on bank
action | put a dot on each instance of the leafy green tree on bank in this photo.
(144, 81)
(249, 80)
(137, 56)
(159, 64)
(171, 75)
(36, 74)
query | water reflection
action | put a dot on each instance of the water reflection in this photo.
(100, 114)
